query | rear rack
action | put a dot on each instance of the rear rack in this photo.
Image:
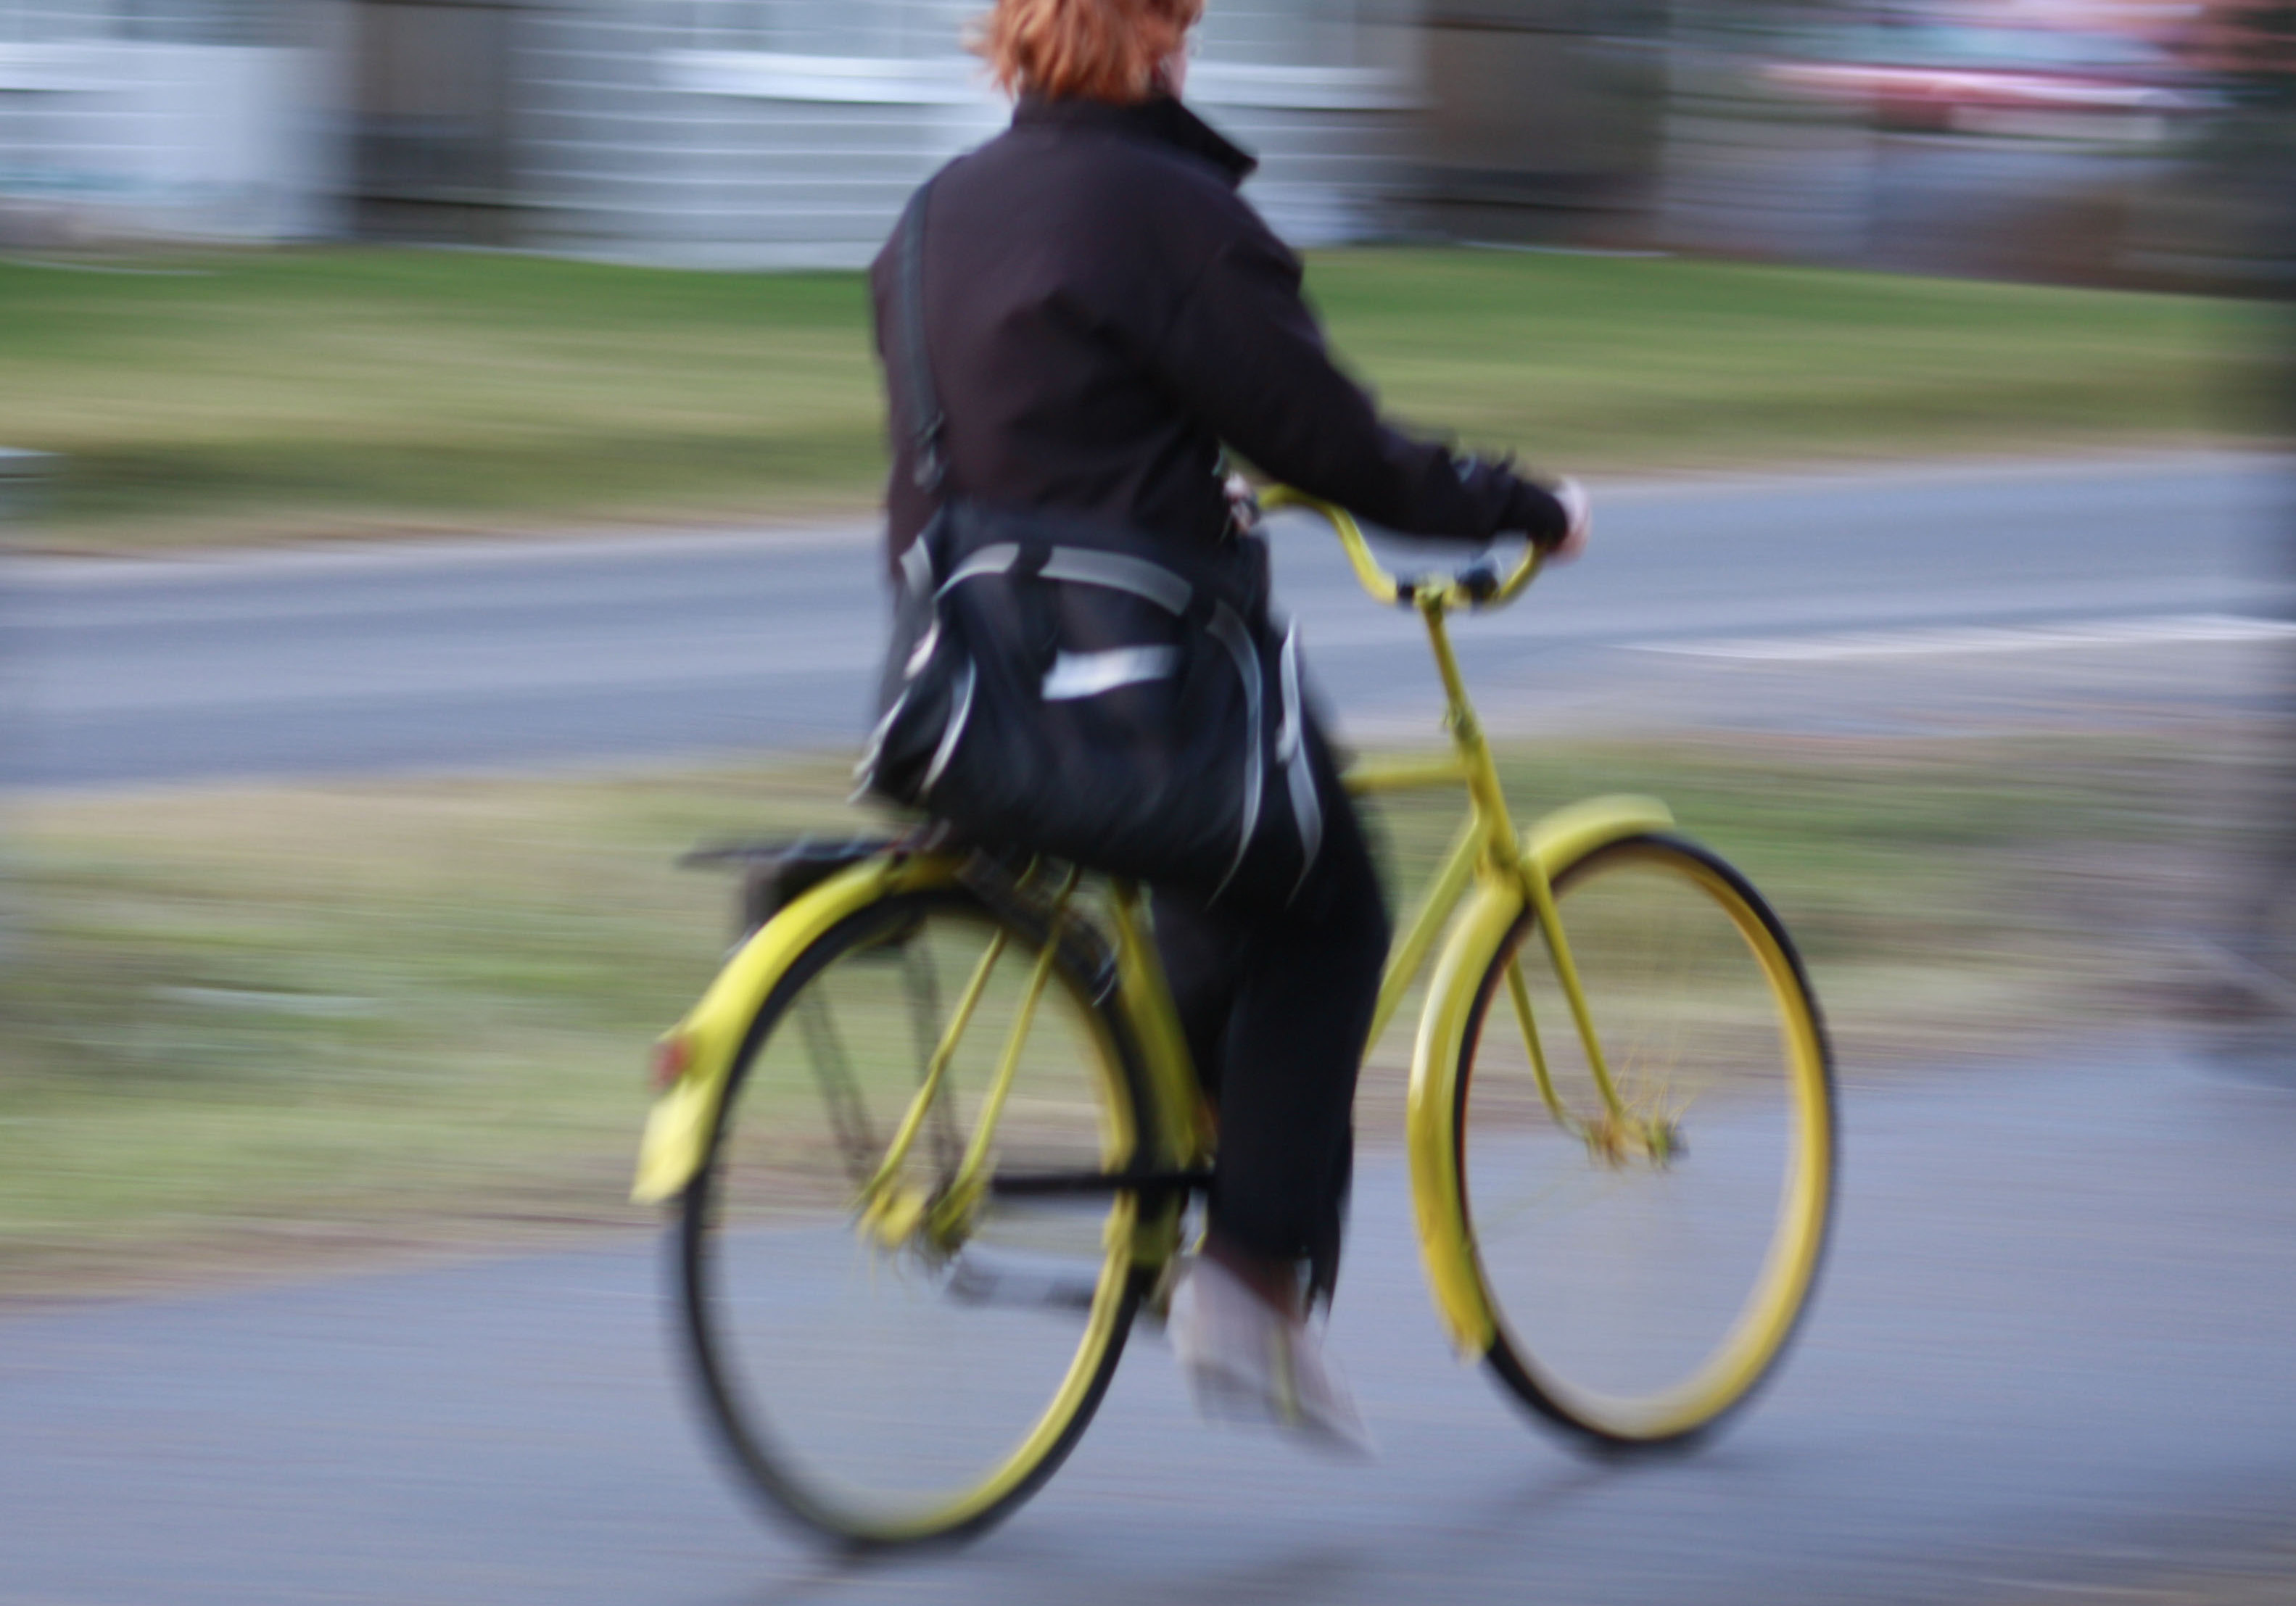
(776, 872)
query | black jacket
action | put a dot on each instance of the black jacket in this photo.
(1104, 311)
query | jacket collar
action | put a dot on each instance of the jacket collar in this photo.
(1160, 118)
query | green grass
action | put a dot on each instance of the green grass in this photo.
(372, 391)
(256, 1027)
(1633, 363)
(361, 388)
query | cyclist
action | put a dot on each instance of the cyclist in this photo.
(1104, 315)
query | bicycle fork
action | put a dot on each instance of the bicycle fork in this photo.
(1616, 1135)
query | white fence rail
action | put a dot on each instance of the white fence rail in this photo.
(108, 137)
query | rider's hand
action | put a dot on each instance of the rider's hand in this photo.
(1581, 512)
(1242, 504)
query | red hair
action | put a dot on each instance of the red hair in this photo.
(1093, 50)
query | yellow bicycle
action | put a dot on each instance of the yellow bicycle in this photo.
(932, 1135)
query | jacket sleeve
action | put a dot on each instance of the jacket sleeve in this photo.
(1243, 351)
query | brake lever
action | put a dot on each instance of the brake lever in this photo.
(1478, 581)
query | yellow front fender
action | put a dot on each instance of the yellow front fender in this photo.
(677, 1127)
(1446, 1245)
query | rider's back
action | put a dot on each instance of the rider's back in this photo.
(1104, 311)
(1059, 253)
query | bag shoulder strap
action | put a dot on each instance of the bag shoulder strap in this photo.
(919, 398)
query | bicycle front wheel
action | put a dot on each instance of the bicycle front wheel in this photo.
(888, 1363)
(1646, 1253)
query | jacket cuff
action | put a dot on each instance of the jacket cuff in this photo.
(1534, 511)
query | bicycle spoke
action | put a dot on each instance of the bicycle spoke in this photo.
(849, 1116)
(1643, 1282)
(923, 981)
(913, 1376)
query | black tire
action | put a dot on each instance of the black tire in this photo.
(775, 1376)
(1652, 1297)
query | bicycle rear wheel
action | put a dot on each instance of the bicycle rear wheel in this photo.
(912, 1373)
(1647, 1261)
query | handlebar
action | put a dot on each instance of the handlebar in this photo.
(1479, 585)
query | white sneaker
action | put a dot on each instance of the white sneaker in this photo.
(1245, 1363)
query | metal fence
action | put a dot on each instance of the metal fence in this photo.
(787, 133)
(175, 119)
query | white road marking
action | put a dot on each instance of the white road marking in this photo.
(1948, 640)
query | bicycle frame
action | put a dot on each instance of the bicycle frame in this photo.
(1488, 844)
(1512, 870)
(1491, 873)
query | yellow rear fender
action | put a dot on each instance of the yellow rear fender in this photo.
(1431, 1130)
(707, 1041)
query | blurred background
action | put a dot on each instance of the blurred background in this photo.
(2111, 142)
(438, 452)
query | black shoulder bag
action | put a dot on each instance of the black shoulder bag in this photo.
(1083, 691)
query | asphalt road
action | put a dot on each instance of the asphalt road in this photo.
(2051, 1356)
(486, 656)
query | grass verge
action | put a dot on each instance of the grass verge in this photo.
(256, 1028)
(370, 391)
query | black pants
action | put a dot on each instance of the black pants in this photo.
(1277, 1000)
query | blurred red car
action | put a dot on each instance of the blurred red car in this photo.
(1979, 79)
